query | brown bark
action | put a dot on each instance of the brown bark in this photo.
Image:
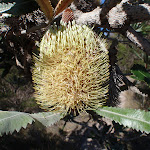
(138, 40)
(107, 6)
(117, 16)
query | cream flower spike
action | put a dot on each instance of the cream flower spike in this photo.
(71, 73)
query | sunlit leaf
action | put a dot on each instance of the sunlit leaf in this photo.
(135, 119)
(6, 6)
(11, 121)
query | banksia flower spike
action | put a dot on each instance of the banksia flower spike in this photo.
(72, 70)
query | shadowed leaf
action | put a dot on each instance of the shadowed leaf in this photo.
(140, 73)
(47, 8)
(21, 6)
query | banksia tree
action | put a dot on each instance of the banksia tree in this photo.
(72, 70)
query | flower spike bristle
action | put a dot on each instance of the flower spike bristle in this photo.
(72, 70)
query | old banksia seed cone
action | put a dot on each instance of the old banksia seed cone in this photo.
(72, 70)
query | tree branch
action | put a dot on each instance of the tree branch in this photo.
(117, 17)
(126, 13)
(138, 40)
(89, 18)
(107, 6)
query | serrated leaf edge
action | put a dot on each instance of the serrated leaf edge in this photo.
(47, 8)
(17, 130)
(7, 6)
(32, 119)
(32, 115)
(125, 117)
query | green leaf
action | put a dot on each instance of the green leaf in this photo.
(11, 121)
(136, 119)
(142, 27)
(47, 118)
(141, 73)
(22, 6)
(5, 7)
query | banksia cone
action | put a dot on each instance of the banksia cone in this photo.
(72, 70)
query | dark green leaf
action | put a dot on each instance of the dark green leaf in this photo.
(6, 69)
(22, 6)
(141, 73)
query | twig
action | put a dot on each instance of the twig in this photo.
(138, 40)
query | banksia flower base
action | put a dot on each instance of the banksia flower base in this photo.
(72, 70)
